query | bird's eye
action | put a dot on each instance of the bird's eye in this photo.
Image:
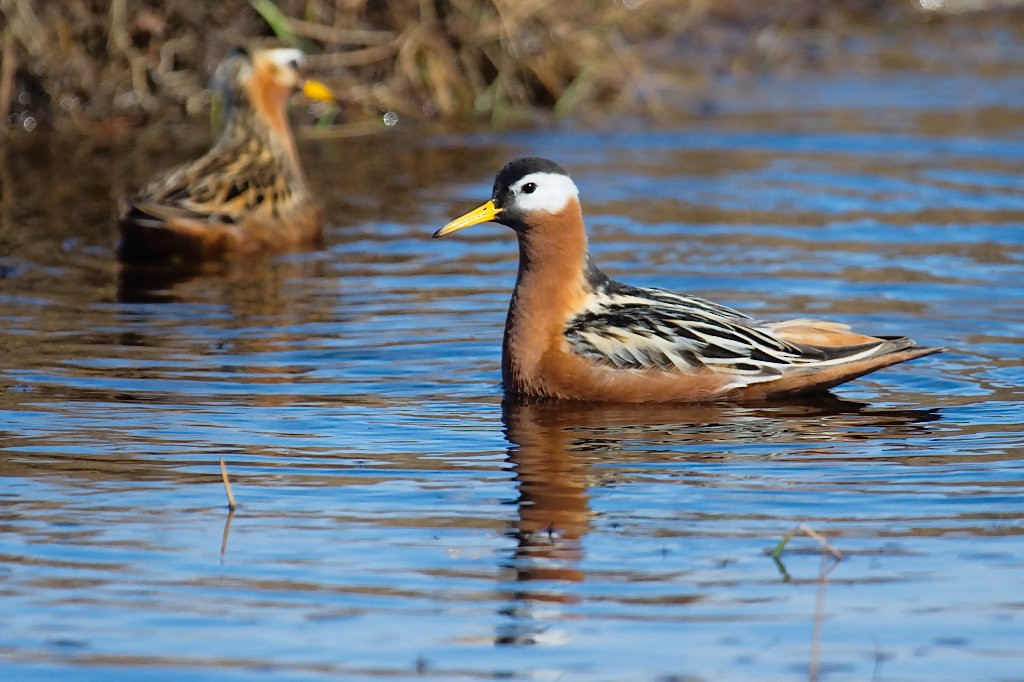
(529, 188)
(294, 64)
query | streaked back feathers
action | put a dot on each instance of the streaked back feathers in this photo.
(248, 192)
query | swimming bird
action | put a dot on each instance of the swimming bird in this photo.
(248, 192)
(574, 333)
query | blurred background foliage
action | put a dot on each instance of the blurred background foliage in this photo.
(114, 63)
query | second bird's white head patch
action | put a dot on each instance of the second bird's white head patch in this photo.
(286, 57)
(549, 192)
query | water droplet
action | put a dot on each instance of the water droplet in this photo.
(28, 123)
(390, 119)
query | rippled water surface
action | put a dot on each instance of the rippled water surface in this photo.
(395, 521)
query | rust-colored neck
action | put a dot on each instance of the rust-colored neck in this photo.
(257, 122)
(550, 287)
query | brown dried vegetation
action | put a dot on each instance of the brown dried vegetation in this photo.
(84, 61)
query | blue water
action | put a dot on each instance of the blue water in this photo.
(395, 521)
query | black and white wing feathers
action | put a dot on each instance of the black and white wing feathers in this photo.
(655, 329)
(236, 177)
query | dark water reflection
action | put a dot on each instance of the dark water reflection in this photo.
(397, 521)
(561, 450)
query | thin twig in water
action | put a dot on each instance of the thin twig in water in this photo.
(224, 535)
(814, 665)
(227, 485)
(822, 540)
(811, 533)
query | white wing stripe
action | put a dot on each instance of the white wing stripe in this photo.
(637, 328)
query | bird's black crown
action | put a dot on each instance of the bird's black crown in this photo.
(514, 171)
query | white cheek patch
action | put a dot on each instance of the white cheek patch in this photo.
(553, 192)
(284, 57)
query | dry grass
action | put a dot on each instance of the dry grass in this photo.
(114, 61)
(96, 60)
(498, 57)
(92, 60)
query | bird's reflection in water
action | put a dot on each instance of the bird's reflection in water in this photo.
(553, 517)
(554, 447)
(156, 283)
(253, 284)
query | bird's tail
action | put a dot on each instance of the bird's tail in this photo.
(814, 377)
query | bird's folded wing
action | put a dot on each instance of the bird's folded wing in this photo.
(207, 191)
(633, 328)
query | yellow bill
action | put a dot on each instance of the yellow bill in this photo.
(317, 90)
(480, 214)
